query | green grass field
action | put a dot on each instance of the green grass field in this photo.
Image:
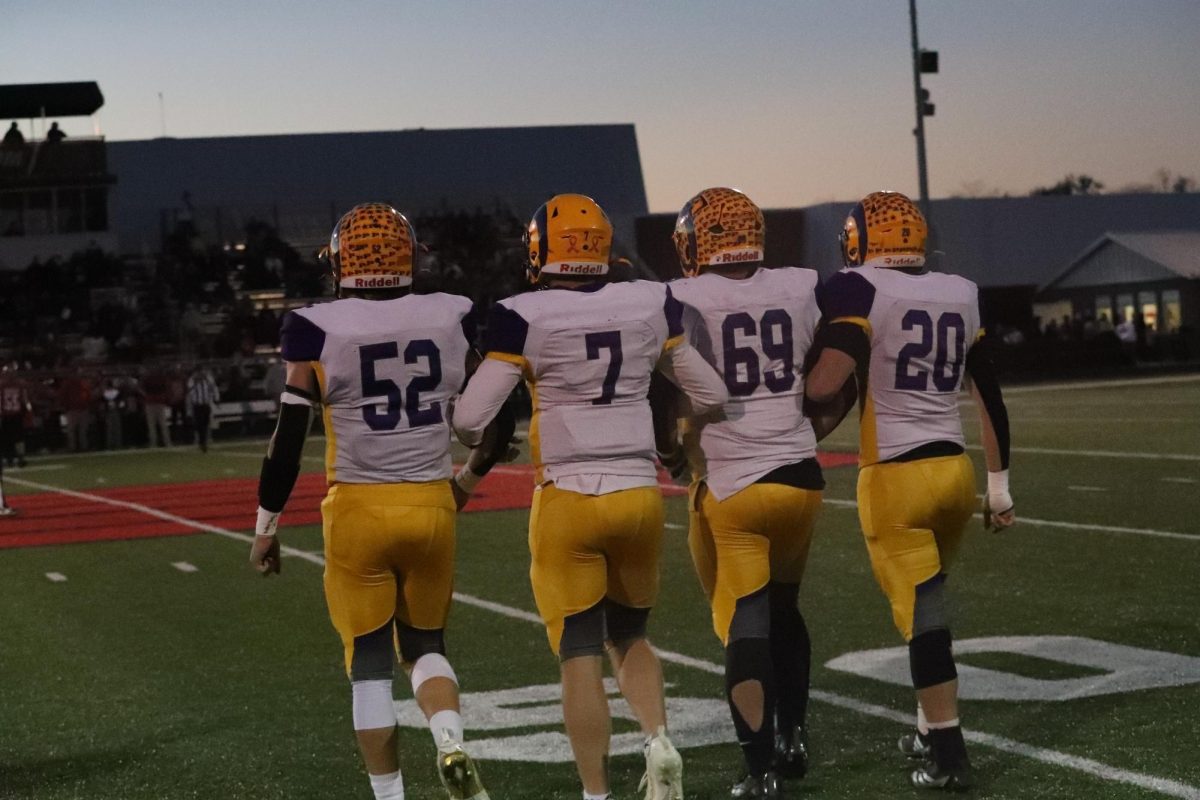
(133, 679)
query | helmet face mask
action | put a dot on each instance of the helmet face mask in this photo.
(569, 236)
(372, 247)
(884, 229)
(719, 227)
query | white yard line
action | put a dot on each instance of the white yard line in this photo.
(1056, 523)
(1053, 757)
(1058, 387)
(184, 566)
(1060, 451)
(56, 577)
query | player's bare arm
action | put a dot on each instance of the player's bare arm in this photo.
(998, 511)
(282, 463)
(482, 421)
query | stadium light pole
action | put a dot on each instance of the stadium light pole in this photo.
(922, 61)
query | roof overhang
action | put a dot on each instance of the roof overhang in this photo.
(29, 100)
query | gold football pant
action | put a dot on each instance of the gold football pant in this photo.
(739, 544)
(389, 552)
(587, 547)
(913, 515)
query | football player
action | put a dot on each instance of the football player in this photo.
(756, 487)
(587, 347)
(382, 364)
(909, 337)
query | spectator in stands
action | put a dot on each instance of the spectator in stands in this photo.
(156, 392)
(55, 134)
(113, 404)
(202, 395)
(75, 397)
(13, 137)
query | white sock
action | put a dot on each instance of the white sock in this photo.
(387, 787)
(587, 796)
(922, 723)
(446, 721)
(944, 726)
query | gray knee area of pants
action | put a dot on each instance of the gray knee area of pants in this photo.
(929, 610)
(625, 623)
(751, 617)
(416, 642)
(373, 657)
(583, 634)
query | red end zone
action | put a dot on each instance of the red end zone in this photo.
(50, 518)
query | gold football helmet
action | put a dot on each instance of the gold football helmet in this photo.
(719, 227)
(885, 229)
(570, 235)
(372, 247)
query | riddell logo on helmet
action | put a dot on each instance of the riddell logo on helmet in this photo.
(581, 269)
(903, 261)
(377, 282)
(736, 256)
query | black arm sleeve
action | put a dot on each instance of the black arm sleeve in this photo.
(282, 465)
(848, 337)
(982, 369)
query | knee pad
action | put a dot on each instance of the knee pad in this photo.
(625, 623)
(373, 657)
(583, 634)
(415, 642)
(431, 665)
(929, 606)
(931, 659)
(373, 705)
(751, 617)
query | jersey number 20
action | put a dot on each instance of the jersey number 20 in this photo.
(410, 399)
(948, 359)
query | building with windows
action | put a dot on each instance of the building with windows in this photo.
(1150, 278)
(53, 189)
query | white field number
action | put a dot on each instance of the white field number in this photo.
(1123, 668)
(695, 722)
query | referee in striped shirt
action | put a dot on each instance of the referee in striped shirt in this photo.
(201, 395)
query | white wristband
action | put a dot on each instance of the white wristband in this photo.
(467, 480)
(266, 523)
(998, 482)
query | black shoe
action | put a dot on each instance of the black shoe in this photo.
(914, 745)
(931, 776)
(791, 752)
(765, 785)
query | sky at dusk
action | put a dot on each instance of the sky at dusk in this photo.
(794, 102)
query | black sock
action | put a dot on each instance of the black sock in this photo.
(750, 660)
(791, 655)
(949, 747)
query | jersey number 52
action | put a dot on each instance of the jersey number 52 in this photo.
(410, 398)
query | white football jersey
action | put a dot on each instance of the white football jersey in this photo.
(755, 332)
(386, 370)
(587, 355)
(921, 327)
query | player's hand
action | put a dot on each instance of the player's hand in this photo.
(264, 553)
(675, 462)
(460, 497)
(998, 503)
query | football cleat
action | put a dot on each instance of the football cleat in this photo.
(7, 511)
(372, 247)
(458, 772)
(931, 776)
(884, 229)
(914, 745)
(719, 227)
(663, 779)
(569, 235)
(765, 785)
(791, 752)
